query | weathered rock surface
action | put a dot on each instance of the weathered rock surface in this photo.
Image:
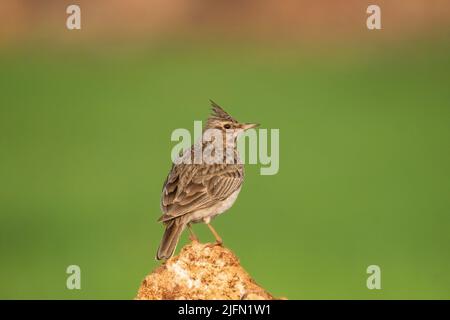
(201, 272)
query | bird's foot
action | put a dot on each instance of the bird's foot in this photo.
(218, 242)
(193, 238)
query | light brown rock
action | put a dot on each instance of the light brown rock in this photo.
(201, 272)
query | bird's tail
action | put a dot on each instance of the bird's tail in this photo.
(170, 239)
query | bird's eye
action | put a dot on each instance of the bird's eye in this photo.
(227, 126)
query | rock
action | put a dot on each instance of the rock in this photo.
(201, 272)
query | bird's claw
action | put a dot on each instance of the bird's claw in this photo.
(216, 243)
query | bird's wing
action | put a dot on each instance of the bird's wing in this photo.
(190, 187)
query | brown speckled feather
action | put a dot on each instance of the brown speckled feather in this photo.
(190, 187)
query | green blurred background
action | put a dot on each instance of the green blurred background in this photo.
(364, 159)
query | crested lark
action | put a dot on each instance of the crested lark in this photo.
(197, 192)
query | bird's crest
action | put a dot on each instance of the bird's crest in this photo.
(219, 114)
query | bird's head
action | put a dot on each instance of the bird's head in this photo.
(221, 120)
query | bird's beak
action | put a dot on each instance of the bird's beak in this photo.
(247, 126)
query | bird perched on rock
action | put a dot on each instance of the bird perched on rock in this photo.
(199, 190)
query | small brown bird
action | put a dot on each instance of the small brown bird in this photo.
(194, 193)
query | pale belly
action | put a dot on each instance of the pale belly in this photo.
(205, 215)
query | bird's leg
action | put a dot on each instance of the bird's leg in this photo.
(192, 235)
(219, 240)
